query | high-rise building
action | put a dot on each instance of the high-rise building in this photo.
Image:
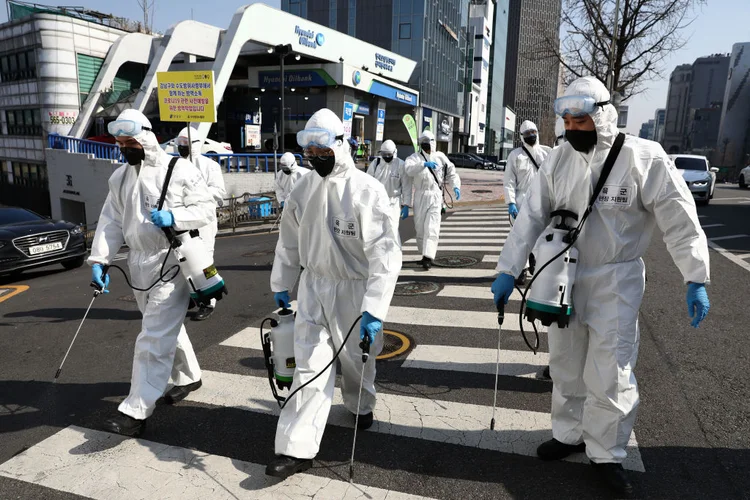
(480, 34)
(531, 85)
(733, 148)
(495, 136)
(432, 33)
(660, 119)
(647, 130)
(678, 105)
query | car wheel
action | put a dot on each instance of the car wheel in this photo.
(743, 185)
(73, 263)
(478, 166)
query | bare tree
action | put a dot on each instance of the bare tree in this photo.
(648, 31)
(148, 14)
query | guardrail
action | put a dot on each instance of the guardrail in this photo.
(73, 145)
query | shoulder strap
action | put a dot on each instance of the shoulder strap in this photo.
(608, 164)
(434, 176)
(165, 187)
(531, 157)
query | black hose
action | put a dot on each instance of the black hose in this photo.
(162, 273)
(335, 357)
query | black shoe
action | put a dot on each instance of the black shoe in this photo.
(203, 313)
(615, 477)
(555, 450)
(283, 466)
(427, 264)
(125, 425)
(364, 422)
(180, 392)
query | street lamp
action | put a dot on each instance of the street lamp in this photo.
(282, 51)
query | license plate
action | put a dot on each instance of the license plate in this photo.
(49, 247)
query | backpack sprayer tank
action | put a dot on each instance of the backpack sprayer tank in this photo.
(197, 267)
(549, 299)
(278, 350)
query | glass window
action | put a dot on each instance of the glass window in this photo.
(13, 63)
(404, 31)
(10, 117)
(4, 64)
(28, 117)
(37, 116)
(21, 61)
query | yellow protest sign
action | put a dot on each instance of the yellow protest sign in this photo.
(186, 96)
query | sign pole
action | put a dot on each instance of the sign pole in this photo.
(281, 57)
(190, 143)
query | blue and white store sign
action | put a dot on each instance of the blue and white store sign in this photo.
(384, 62)
(381, 125)
(356, 78)
(362, 108)
(384, 90)
(308, 38)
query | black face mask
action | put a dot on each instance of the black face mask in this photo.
(388, 158)
(134, 156)
(287, 171)
(581, 140)
(426, 147)
(530, 140)
(183, 151)
(323, 165)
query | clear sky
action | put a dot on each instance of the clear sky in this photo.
(719, 24)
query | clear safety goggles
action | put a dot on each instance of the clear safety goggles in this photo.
(577, 105)
(125, 128)
(317, 137)
(184, 141)
(529, 133)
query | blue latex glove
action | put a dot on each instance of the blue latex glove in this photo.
(697, 302)
(97, 273)
(457, 192)
(282, 299)
(404, 213)
(502, 288)
(513, 210)
(431, 164)
(162, 218)
(370, 326)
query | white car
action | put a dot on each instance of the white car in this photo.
(699, 175)
(745, 178)
(209, 147)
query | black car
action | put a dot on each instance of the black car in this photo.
(29, 240)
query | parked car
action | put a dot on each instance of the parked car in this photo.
(698, 174)
(29, 240)
(745, 177)
(210, 147)
(501, 164)
(468, 160)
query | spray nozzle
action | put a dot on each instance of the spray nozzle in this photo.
(500, 313)
(365, 346)
(98, 289)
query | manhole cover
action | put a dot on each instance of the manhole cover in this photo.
(259, 253)
(127, 298)
(394, 344)
(455, 261)
(416, 288)
(481, 191)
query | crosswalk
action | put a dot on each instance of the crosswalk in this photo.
(436, 397)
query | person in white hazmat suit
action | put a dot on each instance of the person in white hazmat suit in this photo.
(559, 132)
(337, 226)
(212, 175)
(287, 177)
(595, 395)
(523, 165)
(429, 169)
(389, 169)
(130, 215)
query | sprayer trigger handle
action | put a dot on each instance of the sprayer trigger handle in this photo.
(500, 313)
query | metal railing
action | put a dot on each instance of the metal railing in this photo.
(83, 146)
(247, 210)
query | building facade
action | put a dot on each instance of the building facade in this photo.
(531, 85)
(677, 110)
(660, 119)
(496, 130)
(733, 149)
(647, 130)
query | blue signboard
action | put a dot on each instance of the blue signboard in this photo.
(362, 108)
(295, 78)
(384, 90)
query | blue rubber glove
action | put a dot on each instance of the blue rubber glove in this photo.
(697, 302)
(370, 326)
(404, 213)
(282, 299)
(162, 218)
(457, 192)
(431, 164)
(513, 210)
(97, 273)
(502, 288)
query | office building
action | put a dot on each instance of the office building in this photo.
(678, 105)
(660, 118)
(733, 148)
(647, 130)
(495, 136)
(480, 35)
(531, 86)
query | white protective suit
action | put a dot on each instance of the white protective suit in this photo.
(595, 395)
(559, 132)
(162, 347)
(338, 229)
(428, 194)
(284, 183)
(520, 170)
(393, 177)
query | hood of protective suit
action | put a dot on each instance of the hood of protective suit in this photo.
(428, 136)
(389, 147)
(605, 118)
(145, 138)
(196, 147)
(328, 120)
(288, 160)
(528, 125)
(559, 127)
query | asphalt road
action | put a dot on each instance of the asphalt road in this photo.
(692, 430)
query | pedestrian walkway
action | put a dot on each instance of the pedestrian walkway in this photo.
(434, 406)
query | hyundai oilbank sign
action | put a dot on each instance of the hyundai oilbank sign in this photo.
(309, 39)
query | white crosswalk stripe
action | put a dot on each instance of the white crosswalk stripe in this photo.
(99, 465)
